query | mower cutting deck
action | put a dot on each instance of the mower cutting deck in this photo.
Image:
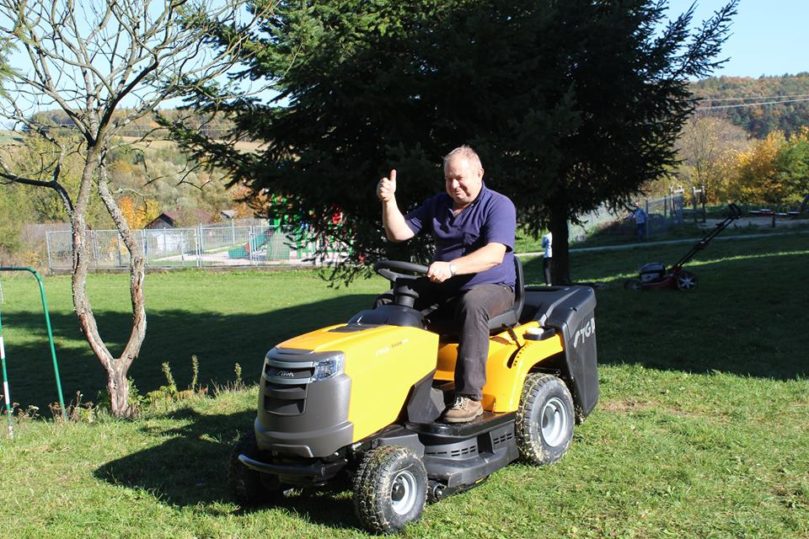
(655, 275)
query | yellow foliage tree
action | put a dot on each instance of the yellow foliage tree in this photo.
(707, 147)
(756, 179)
(138, 213)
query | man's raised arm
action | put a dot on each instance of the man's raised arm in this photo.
(396, 228)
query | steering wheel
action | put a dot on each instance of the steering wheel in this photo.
(395, 269)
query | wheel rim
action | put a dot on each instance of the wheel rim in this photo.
(403, 492)
(686, 281)
(554, 422)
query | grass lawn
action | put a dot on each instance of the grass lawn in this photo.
(701, 429)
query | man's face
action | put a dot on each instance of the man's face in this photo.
(463, 180)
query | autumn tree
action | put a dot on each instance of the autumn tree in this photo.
(106, 65)
(757, 179)
(707, 147)
(773, 172)
(792, 164)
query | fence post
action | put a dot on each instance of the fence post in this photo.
(144, 246)
(198, 243)
(648, 219)
(48, 248)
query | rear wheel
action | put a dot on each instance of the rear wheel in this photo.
(686, 281)
(632, 284)
(390, 489)
(545, 419)
(249, 487)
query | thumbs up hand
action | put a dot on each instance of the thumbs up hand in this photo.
(386, 188)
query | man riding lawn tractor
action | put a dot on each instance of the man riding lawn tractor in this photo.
(459, 372)
(472, 276)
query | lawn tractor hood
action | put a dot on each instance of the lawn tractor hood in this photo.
(332, 387)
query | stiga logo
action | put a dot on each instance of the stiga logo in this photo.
(585, 332)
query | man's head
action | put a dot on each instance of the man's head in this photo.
(463, 176)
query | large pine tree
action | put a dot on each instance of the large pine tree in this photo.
(570, 104)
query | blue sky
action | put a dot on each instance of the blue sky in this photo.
(768, 37)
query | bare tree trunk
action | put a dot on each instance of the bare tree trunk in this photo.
(561, 257)
(81, 303)
(118, 386)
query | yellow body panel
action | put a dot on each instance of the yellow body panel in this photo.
(383, 363)
(504, 377)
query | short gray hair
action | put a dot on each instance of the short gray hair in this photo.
(467, 153)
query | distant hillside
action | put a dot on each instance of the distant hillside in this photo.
(146, 125)
(758, 105)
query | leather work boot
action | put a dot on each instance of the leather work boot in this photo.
(463, 410)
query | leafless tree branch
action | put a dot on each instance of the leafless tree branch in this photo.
(87, 58)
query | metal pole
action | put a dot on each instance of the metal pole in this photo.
(6, 391)
(36, 275)
(198, 232)
(48, 248)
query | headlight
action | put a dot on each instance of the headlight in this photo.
(328, 368)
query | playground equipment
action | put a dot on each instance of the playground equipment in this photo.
(655, 275)
(6, 389)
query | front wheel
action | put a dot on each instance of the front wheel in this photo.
(390, 489)
(544, 419)
(249, 487)
(686, 281)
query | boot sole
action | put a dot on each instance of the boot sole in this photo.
(463, 419)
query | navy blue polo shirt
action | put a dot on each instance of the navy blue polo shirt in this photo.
(491, 217)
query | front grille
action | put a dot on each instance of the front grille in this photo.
(283, 373)
(285, 379)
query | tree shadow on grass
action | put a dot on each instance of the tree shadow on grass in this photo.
(745, 318)
(219, 341)
(190, 470)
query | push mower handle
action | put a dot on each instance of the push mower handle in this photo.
(735, 212)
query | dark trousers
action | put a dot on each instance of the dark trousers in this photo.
(468, 312)
(546, 269)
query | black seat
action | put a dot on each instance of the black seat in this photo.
(511, 317)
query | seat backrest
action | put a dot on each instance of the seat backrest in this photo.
(511, 317)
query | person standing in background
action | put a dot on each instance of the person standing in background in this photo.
(640, 217)
(547, 256)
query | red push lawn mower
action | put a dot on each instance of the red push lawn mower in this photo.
(655, 275)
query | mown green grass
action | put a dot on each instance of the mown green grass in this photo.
(700, 430)
(223, 318)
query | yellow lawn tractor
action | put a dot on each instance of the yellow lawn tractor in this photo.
(361, 402)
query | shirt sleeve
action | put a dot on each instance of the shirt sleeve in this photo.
(501, 223)
(421, 218)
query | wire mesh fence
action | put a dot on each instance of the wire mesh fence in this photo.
(661, 215)
(257, 243)
(201, 246)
